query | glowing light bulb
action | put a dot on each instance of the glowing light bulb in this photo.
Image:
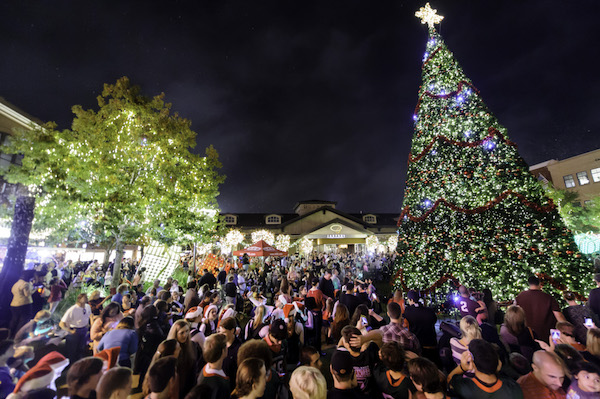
(489, 145)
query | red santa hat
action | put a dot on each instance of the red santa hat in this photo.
(37, 377)
(292, 308)
(110, 355)
(55, 360)
(208, 309)
(193, 313)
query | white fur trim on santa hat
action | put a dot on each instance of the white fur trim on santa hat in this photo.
(38, 377)
(208, 309)
(193, 312)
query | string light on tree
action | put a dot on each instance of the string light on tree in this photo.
(282, 242)
(392, 243)
(263, 235)
(473, 209)
(372, 243)
(306, 246)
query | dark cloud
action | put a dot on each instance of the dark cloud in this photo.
(310, 99)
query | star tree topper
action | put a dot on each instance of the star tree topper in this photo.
(428, 16)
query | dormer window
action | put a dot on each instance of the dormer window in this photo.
(371, 219)
(273, 219)
(230, 219)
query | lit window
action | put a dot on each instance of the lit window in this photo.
(273, 219)
(583, 178)
(229, 219)
(569, 181)
(596, 175)
(370, 219)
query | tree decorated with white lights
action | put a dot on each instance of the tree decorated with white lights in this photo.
(471, 207)
(263, 235)
(282, 242)
(126, 168)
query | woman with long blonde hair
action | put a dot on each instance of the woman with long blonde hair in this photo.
(469, 327)
(255, 324)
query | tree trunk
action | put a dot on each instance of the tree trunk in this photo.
(107, 251)
(120, 246)
(16, 251)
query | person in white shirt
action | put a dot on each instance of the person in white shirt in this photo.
(241, 281)
(76, 321)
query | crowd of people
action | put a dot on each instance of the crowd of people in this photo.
(294, 327)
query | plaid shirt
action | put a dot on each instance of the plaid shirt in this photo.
(534, 389)
(394, 332)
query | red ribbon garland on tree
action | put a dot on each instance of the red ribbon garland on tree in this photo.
(493, 132)
(558, 285)
(480, 209)
(441, 281)
(452, 93)
(431, 56)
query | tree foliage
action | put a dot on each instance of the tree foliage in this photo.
(471, 207)
(578, 218)
(125, 169)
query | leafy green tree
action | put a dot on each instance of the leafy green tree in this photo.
(576, 217)
(471, 207)
(125, 168)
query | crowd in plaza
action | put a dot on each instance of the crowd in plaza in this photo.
(293, 327)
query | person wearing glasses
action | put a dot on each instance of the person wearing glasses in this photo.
(76, 321)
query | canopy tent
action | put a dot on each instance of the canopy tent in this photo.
(260, 248)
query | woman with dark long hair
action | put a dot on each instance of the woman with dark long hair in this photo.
(150, 336)
(341, 319)
(109, 317)
(189, 361)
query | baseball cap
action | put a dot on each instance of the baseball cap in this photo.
(413, 295)
(278, 329)
(341, 362)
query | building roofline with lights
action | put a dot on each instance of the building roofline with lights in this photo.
(328, 227)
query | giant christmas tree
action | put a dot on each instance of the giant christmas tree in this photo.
(471, 208)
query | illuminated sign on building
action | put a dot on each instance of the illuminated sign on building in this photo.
(336, 235)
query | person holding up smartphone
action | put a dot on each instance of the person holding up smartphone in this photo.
(581, 316)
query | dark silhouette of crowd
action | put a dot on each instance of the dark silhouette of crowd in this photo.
(318, 326)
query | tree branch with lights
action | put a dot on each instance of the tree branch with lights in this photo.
(126, 168)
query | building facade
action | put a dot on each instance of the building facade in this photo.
(580, 173)
(11, 118)
(320, 221)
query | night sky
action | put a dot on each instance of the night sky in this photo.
(310, 99)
